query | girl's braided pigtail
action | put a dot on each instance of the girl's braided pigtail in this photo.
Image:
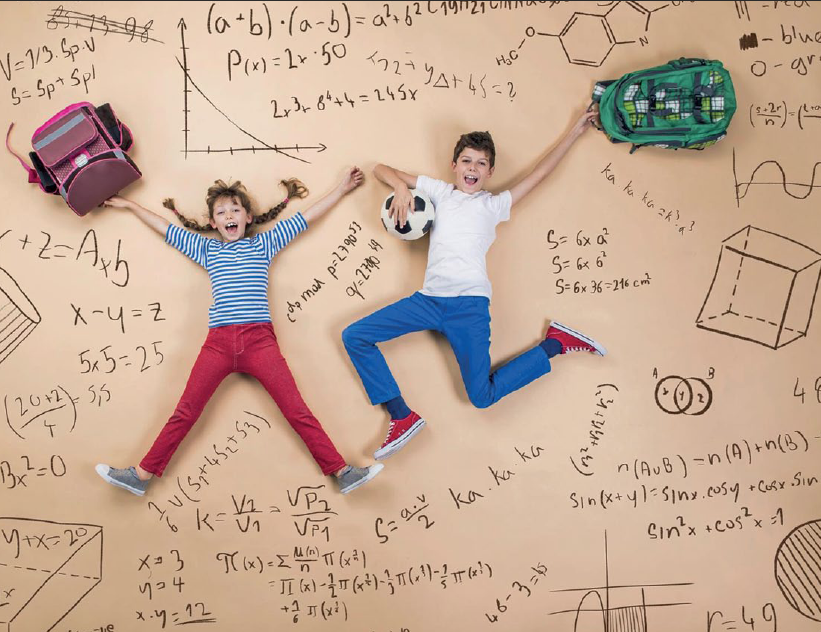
(295, 189)
(169, 204)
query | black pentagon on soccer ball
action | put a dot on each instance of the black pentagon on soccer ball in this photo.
(404, 229)
(418, 203)
(388, 202)
(427, 226)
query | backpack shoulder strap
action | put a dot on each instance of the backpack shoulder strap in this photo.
(33, 177)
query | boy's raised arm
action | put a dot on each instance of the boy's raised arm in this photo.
(553, 158)
(402, 183)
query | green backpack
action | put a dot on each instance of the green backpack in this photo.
(684, 103)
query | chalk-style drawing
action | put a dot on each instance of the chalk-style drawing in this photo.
(46, 413)
(763, 290)
(18, 315)
(798, 569)
(796, 190)
(747, 41)
(188, 82)
(615, 608)
(678, 395)
(99, 23)
(742, 10)
(588, 39)
(46, 569)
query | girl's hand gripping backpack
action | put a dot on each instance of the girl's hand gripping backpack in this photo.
(685, 103)
(79, 153)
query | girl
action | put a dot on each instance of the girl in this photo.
(240, 335)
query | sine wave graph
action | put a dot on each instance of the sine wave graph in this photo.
(771, 173)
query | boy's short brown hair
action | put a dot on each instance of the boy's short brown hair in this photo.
(480, 141)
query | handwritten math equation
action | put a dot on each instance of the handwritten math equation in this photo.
(117, 314)
(593, 258)
(14, 473)
(192, 487)
(327, 102)
(162, 580)
(645, 200)
(52, 412)
(338, 260)
(604, 397)
(336, 17)
(519, 590)
(416, 511)
(388, 582)
(776, 115)
(62, 18)
(87, 251)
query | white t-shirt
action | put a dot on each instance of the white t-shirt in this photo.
(463, 229)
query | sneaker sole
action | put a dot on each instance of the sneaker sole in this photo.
(384, 453)
(108, 479)
(375, 469)
(601, 350)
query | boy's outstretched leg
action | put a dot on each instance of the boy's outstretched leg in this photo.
(400, 431)
(414, 313)
(468, 331)
(561, 339)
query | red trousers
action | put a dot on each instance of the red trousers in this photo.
(251, 349)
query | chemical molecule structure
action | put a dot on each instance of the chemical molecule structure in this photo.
(588, 39)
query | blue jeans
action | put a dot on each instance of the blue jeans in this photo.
(465, 322)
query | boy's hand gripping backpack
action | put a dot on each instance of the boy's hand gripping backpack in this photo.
(79, 153)
(685, 103)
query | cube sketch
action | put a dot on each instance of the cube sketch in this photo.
(763, 290)
(46, 568)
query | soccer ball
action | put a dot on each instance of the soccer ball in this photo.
(418, 223)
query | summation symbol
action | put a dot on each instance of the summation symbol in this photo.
(678, 395)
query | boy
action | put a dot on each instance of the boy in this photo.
(456, 294)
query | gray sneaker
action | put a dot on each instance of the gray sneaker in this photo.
(127, 479)
(353, 477)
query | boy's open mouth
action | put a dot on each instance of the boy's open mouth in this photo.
(471, 180)
(231, 228)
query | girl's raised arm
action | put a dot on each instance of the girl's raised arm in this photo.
(353, 178)
(149, 218)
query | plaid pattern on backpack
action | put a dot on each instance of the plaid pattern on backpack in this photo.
(79, 153)
(686, 103)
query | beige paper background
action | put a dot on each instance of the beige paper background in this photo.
(214, 546)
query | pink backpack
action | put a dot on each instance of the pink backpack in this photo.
(79, 153)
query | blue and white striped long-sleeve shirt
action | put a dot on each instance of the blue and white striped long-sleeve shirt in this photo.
(238, 270)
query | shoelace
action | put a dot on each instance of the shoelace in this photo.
(571, 349)
(390, 431)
